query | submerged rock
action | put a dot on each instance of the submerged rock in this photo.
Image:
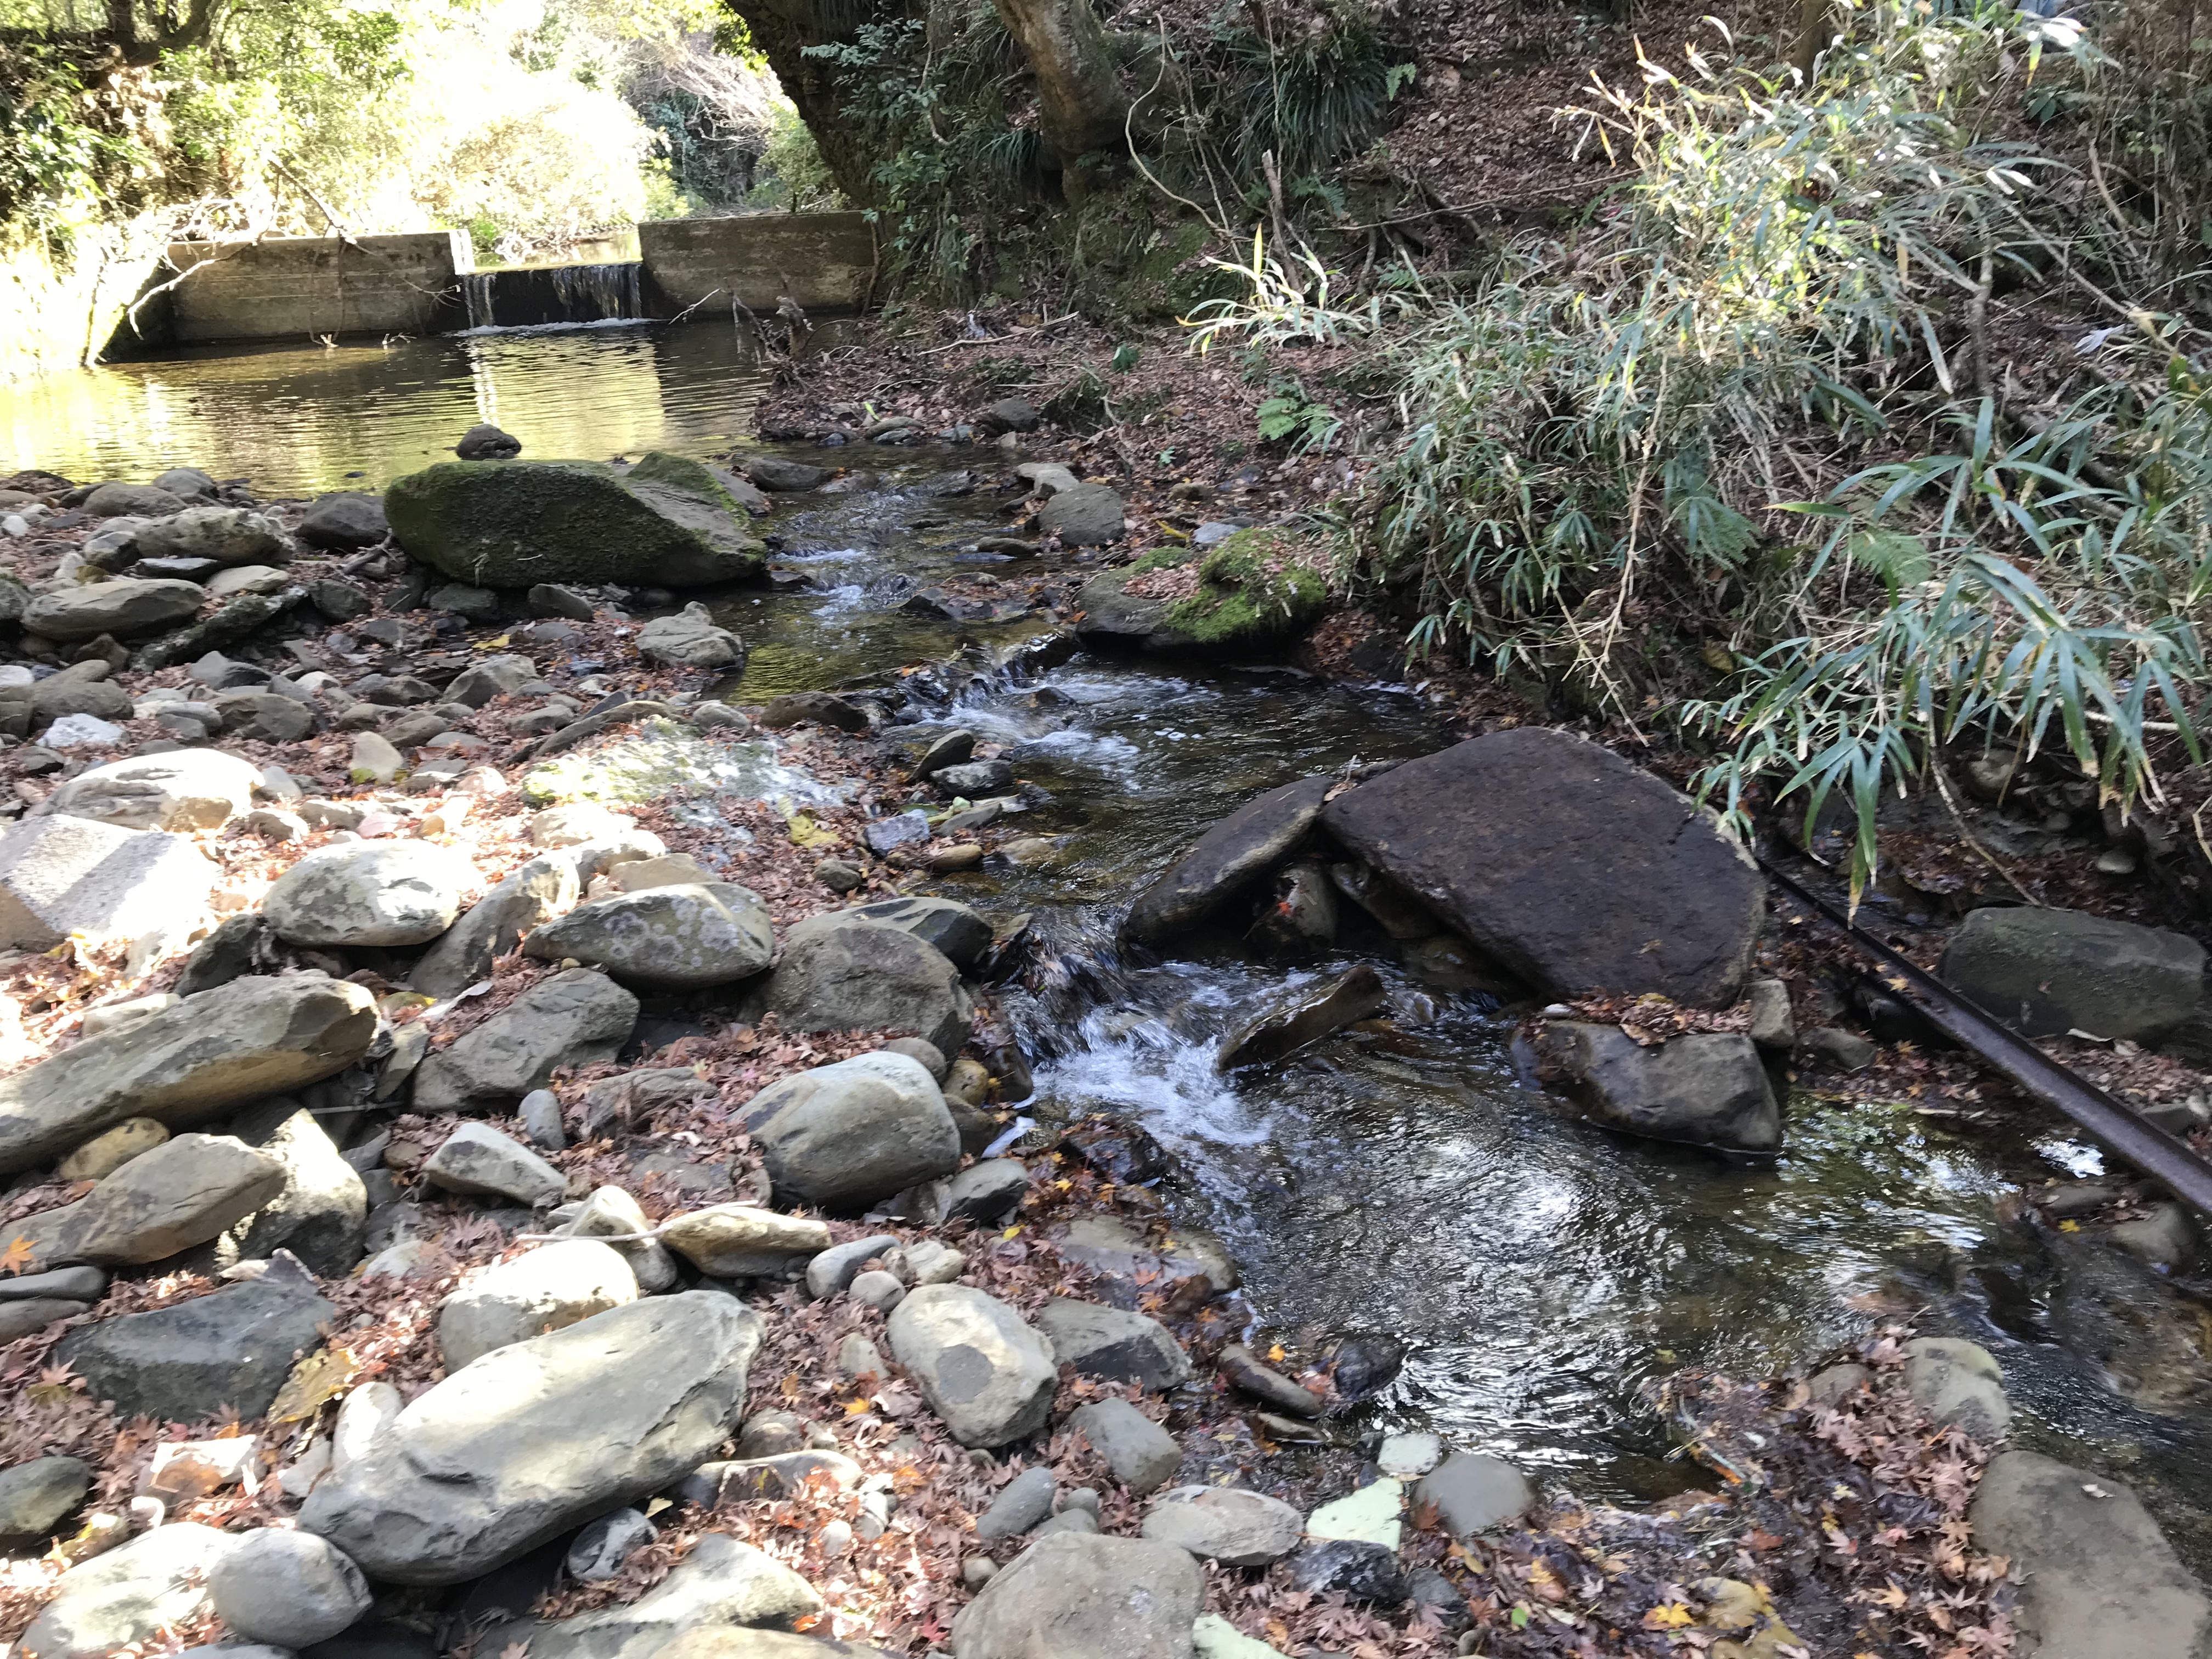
(1577, 871)
(1708, 1090)
(665, 522)
(1306, 1015)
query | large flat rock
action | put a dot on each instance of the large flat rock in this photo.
(62, 875)
(2101, 1581)
(1573, 868)
(535, 1439)
(2048, 972)
(220, 1048)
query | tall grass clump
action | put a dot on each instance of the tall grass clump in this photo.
(1746, 454)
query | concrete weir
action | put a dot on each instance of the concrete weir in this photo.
(305, 286)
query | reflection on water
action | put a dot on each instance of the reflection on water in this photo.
(294, 420)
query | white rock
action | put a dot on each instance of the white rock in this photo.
(554, 1285)
(62, 875)
(580, 822)
(180, 789)
(1408, 1455)
(364, 1414)
(82, 732)
(1369, 1515)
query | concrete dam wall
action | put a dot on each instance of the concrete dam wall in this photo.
(302, 287)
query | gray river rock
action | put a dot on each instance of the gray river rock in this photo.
(538, 1436)
(679, 937)
(500, 524)
(220, 1048)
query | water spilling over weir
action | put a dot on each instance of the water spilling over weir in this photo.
(533, 296)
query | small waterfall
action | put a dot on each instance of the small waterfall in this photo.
(600, 292)
(476, 291)
(537, 296)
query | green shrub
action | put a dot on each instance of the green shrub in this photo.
(1749, 416)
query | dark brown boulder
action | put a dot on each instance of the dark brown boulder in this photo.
(1577, 870)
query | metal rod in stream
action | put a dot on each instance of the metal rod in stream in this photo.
(2149, 1148)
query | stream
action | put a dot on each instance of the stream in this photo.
(1541, 1271)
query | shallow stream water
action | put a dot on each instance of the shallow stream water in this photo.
(1542, 1271)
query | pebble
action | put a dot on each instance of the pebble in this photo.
(878, 1289)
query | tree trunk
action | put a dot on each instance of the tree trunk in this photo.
(1813, 27)
(1079, 92)
(783, 30)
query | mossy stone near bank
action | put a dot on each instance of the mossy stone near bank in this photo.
(1253, 589)
(665, 522)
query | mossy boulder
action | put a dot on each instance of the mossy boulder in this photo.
(1253, 589)
(665, 522)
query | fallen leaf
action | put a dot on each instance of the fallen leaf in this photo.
(321, 1376)
(1669, 1615)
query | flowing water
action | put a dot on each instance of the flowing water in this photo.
(1400, 1181)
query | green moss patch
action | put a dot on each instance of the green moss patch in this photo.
(1257, 584)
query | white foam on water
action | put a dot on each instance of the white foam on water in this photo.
(1167, 1083)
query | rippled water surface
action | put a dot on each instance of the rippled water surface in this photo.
(1399, 1180)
